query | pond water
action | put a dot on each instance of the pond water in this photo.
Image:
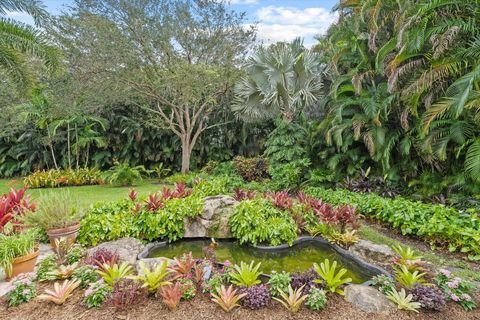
(300, 257)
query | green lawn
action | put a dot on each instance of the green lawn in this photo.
(87, 195)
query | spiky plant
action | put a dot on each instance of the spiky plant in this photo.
(293, 300)
(60, 292)
(333, 280)
(227, 298)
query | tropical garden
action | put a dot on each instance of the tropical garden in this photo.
(158, 160)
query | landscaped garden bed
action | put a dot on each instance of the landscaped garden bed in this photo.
(121, 277)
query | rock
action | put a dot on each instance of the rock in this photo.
(4, 288)
(127, 248)
(368, 299)
(378, 253)
(213, 222)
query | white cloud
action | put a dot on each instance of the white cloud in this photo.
(287, 23)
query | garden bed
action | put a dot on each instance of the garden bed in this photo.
(202, 308)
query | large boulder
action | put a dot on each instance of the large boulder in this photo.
(127, 249)
(213, 222)
(368, 299)
(376, 253)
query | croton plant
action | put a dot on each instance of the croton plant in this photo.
(14, 203)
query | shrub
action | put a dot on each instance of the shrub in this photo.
(258, 221)
(63, 178)
(279, 282)
(111, 221)
(256, 296)
(305, 279)
(289, 176)
(75, 254)
(22, 289)
(251, 169)
(125, 293)
(14, 203)
(86, 275)
(435, 223)
(430, 297)
(317, 299)
(122, 174)
(191, 291)
(384, 283)
(456, 289)
(96, 294)
(46, 266)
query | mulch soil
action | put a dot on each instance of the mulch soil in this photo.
(202, 308)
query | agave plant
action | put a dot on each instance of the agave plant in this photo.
(227, 298)
(333, 280)
(111, 274)
(60, 293)
(246, 275)
(402, 300)
(153, 278)
(293, 300)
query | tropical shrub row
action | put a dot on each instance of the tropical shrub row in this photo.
(437, 224)
(63, 178)
(159, 216)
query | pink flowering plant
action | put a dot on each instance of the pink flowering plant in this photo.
(22, 289)
(96, 294)
(456, 289)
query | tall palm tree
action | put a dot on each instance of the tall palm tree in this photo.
(19, 41)
(281, 80)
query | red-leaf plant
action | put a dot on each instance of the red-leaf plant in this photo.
(133, 195)
(281, 200)
(243, 194)
(154, 202)
(14, 203)
(183, 266)
(180, 191)
(101, 257)
(343, 216)
(172, 294)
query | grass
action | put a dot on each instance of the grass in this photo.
(460, 268)
(86, 195)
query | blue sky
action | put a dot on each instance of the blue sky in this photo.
(277, 19)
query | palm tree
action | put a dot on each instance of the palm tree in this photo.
(19, 41)
(281, 80)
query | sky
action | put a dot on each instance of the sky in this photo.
(278, 20)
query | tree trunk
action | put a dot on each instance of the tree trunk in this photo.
(77, 148)
(87, 156)
(50, 144)
(69, 151)
(185, 155)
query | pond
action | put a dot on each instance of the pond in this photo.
(299, 257)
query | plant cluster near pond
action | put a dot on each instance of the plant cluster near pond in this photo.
(436, 224)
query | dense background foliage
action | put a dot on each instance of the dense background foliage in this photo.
(386, 101)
